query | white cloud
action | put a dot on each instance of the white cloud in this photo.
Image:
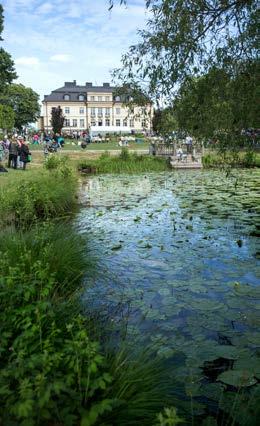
(44, 8)
(27, 60)
(61, 57)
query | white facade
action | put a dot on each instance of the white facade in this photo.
(95, 108)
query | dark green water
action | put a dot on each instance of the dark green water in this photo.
(178, 268)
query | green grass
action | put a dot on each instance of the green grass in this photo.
(26, 197)
(105, 146)
(233, 159)
(124, 163)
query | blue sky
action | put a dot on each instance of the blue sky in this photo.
(64, 40)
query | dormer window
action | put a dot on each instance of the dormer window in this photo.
(81, 97)
(117, 99)
(66, 97)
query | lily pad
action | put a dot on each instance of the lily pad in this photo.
(237, 378)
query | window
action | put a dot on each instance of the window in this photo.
(93, 112)
(143, 123)
(131, 123)
(100, 112)
(107, 122)
(93, 122)
(66, 97)
(118, 123)
(107, 111)
(99, 98)
(118, 111)
(117, 99)
(67, 122)
(81, 110)
(125, 123)
(100, 123)
(81, 97)
(82, 122)
(107, 98)
(74, 122)
(67, 110)
(92, 98)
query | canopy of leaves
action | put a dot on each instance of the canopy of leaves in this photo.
(164, 121)
(7, 71)
(24, 101)
(57, 119)
(219, 102)
(7, 117)
(187, 37)
(1, 21)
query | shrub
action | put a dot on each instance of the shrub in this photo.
(124, 154)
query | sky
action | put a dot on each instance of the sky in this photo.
(64, 40)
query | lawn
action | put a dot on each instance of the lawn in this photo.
(104, 146)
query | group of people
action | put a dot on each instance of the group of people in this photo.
(16, 151)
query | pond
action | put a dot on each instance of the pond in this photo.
(178, 268)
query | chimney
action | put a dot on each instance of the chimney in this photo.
(70, 83)
(106, 84)
(88, 84)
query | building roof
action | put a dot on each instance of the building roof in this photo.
(74, 90)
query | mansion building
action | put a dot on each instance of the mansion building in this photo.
(95, 108)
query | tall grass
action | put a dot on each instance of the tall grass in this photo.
(26, 198)
(234, 159)
(124, 163)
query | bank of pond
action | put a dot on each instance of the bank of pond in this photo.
(129, 299)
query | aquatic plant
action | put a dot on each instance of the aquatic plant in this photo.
(125, 163)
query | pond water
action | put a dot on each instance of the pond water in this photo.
(178, 268)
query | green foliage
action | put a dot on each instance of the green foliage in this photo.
(7, 117)
(164, 121)
(169, 417)
(125, 163)
(1, 21)
(219, 105)
(124, 154)
(185, 38)
(59, 164)
(50, 370)
(7, 70)
(230, 158)
(36, 196)
(24, 101)
(57, 119)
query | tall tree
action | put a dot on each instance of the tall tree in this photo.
(164, 121)
(6, 117)
(25, 103)
(7, 70)
(57, 119)
(187, 37)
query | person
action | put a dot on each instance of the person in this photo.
(179, 154)
(189, 142)
(35, 139)
(24, 154)
(13, 153)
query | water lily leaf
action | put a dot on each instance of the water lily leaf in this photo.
(237, 378)
(116, 247)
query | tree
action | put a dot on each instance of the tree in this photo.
(25, 103)
(7, 70)
(6, 117)
(219, 105)
(164, 121)
(57, 119)
(188, 37)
